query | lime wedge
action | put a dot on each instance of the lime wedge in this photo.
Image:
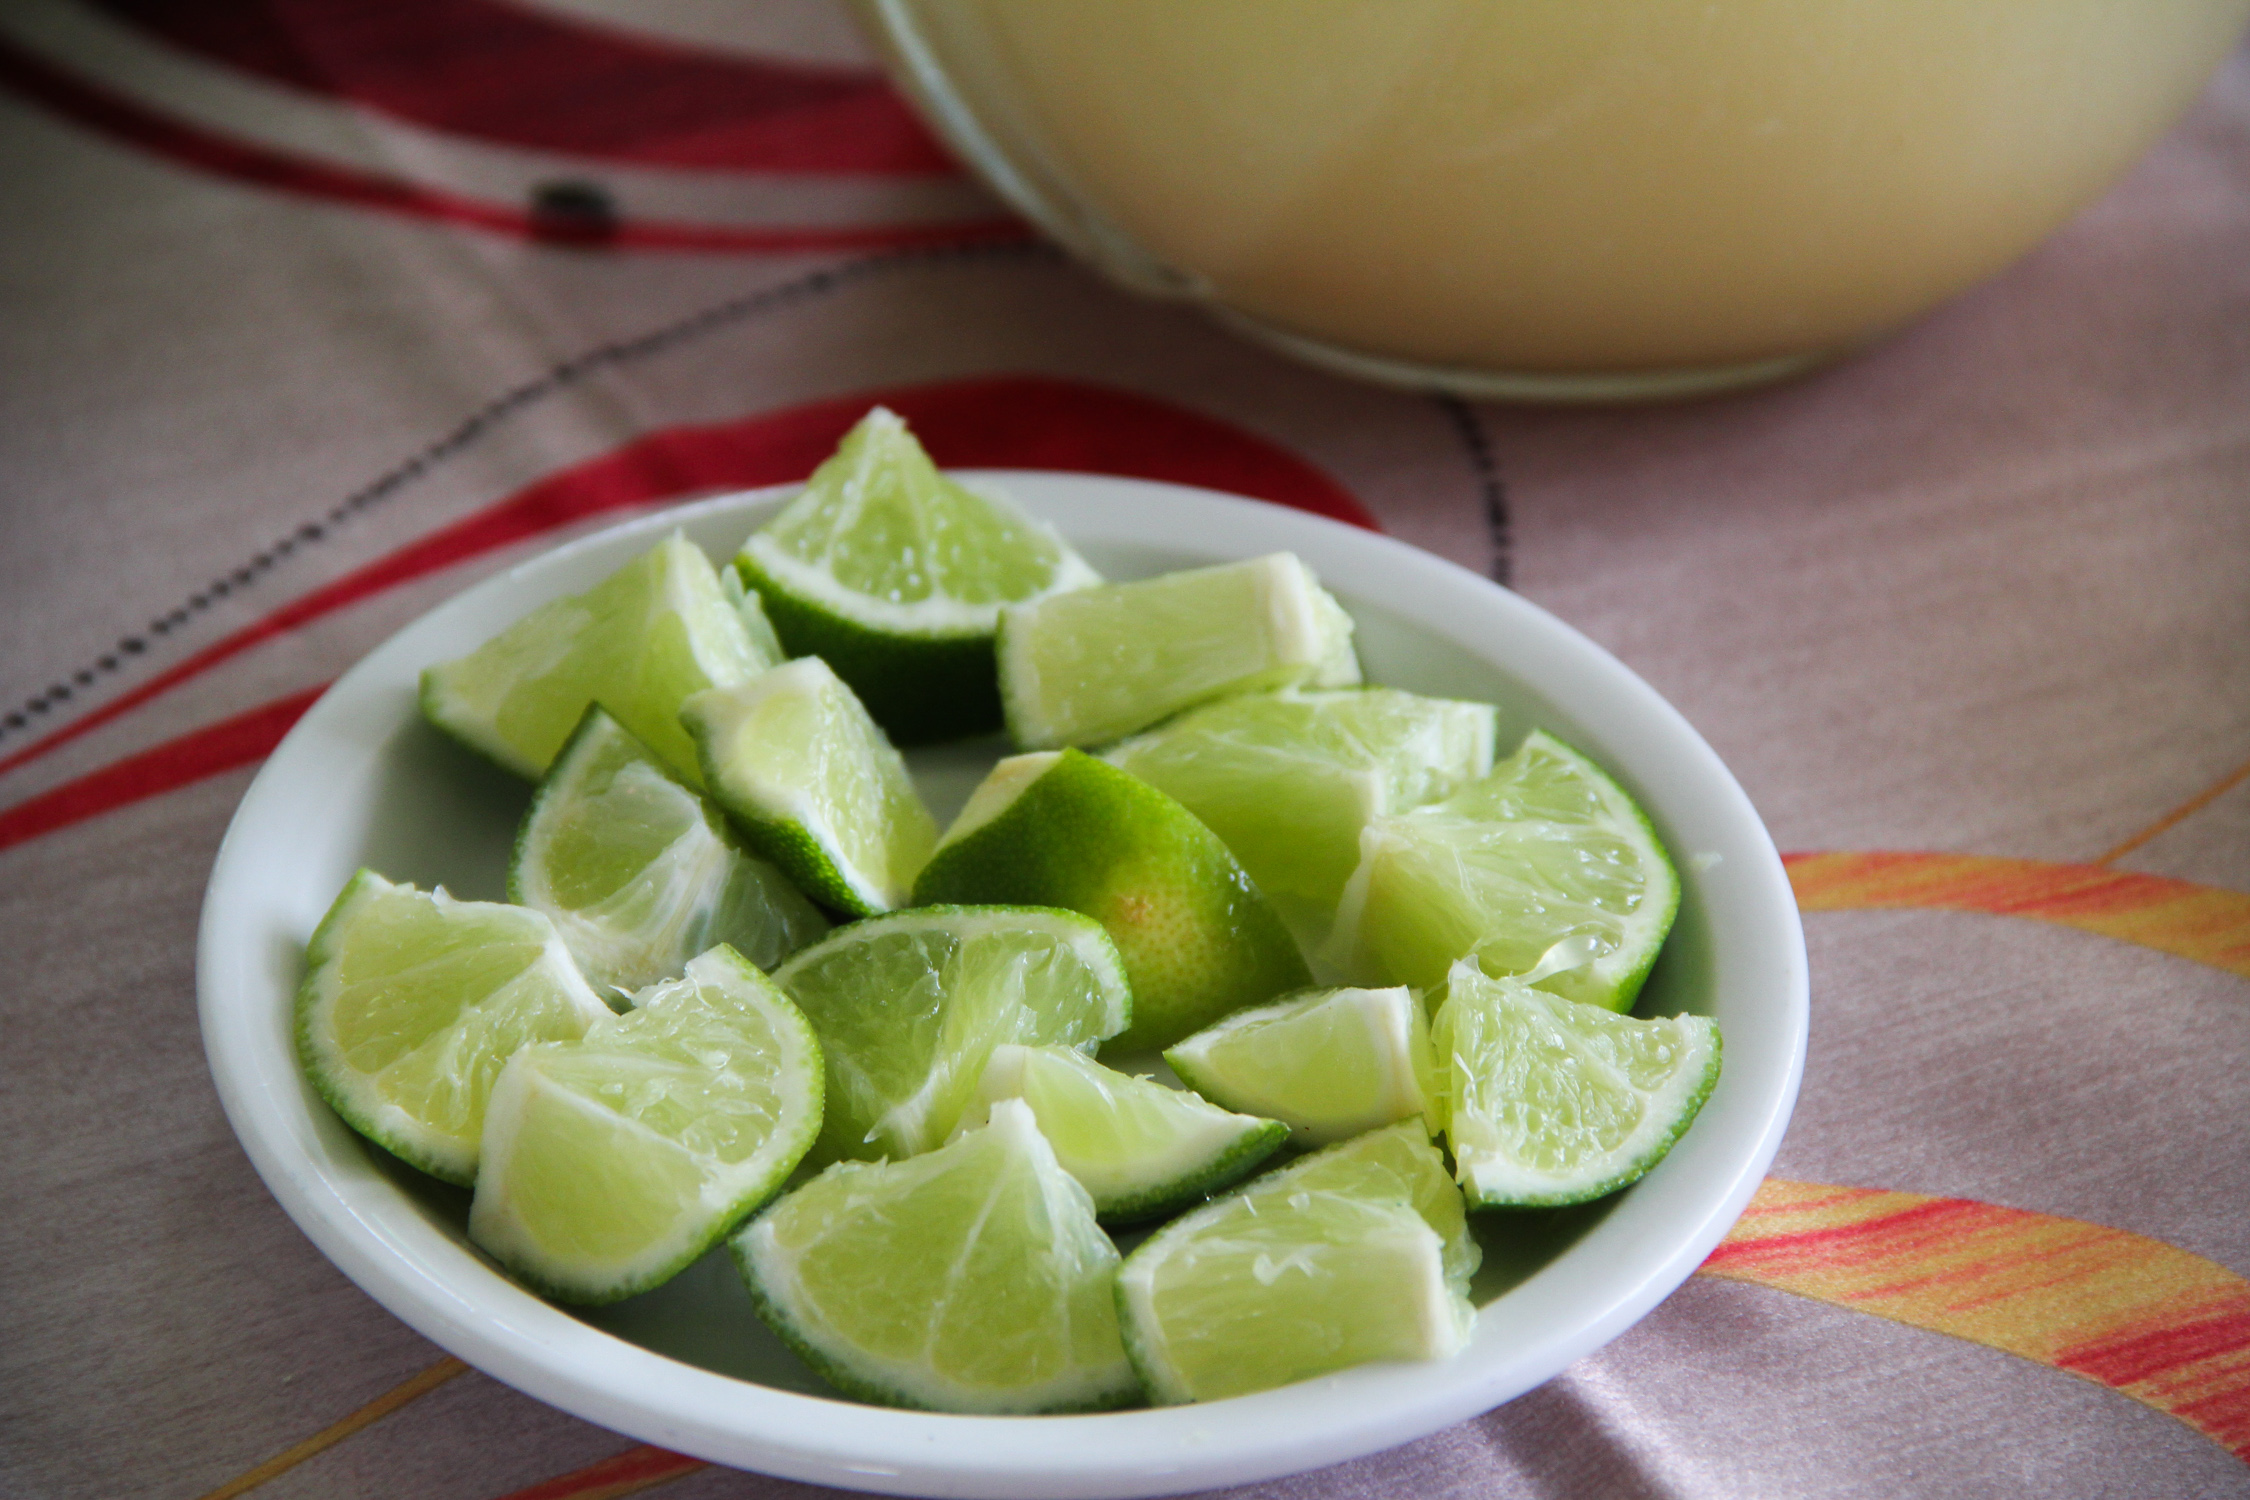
(1545, 851)
(1144, 1151)
(814, 785)
(642, 640)
(1547, 1101)
(896, 575)
(640, 873)
(1094, 664)
(412, 1002)
(1359, 1252)
(1289, 779)
(752, 610)
(1331, 1064)
(612, 1162)
(1398, 1162)
(909, 1008)
(969, 1279)
(1064, 829)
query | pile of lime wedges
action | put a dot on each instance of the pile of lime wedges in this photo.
(746, 990)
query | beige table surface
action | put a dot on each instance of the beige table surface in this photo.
(286, 357)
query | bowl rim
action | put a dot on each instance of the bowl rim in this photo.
(1660, 1232)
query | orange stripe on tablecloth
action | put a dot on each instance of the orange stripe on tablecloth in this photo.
(367, 1416)
(626, 1473)
(2158, 1323)
(2200, 922)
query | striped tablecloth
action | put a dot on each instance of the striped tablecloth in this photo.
(316, 312)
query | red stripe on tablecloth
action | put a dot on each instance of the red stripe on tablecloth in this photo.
(1002, 422)
(620, 1474)
(119, 118)
(1935, 1221)
(2145, 1354)
(240, 741)
(517, 77)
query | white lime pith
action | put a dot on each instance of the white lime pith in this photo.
(640, 873)
(1289, 779)
(1547, 1101)
(1359, 1252)
(413, 1001)
(612, 1162)
(1331, 1064)
(972, 1278)
(1547, 850)
(909, 1008)
(1142, 1150)
(812, 782)
(897, 575)
(1095, 664)
(639, 642)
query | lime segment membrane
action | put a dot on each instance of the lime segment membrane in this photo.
(1288, 780)
(613, 1162)
(1359, 1252)
(1060, 828)
(910, 1007)
(412, 1002)
(640, 643)
(1545, 851)
(640, 872)
(896, 575)
(1331, 1063)
(1095, 664)
(969, 1279)
(1142, 1150)
(1547, 1101)
(814, 785)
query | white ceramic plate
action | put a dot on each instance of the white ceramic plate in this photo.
(361, 780)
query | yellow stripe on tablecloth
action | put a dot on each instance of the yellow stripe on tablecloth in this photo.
(2158, 1323)
(2199, 922)
(411, 1389)
(2180, 814)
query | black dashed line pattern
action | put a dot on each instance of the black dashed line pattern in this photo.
(558, 378)
(1492, 491)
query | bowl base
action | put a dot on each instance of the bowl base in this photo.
(1545, 387)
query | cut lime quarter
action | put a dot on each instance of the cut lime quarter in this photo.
(640, 642)
(1060, 828)
(909, 1008)
(1289, 779)
(1142, 1150)
(413, 1001)
(896, 575)
(640, 873)
(1332, 1063)
(1095, 664)
(1545, 851)
(1547, 1101)
(613, 1161)
(1331, 1262)
(969, 1279)
(811, 781)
